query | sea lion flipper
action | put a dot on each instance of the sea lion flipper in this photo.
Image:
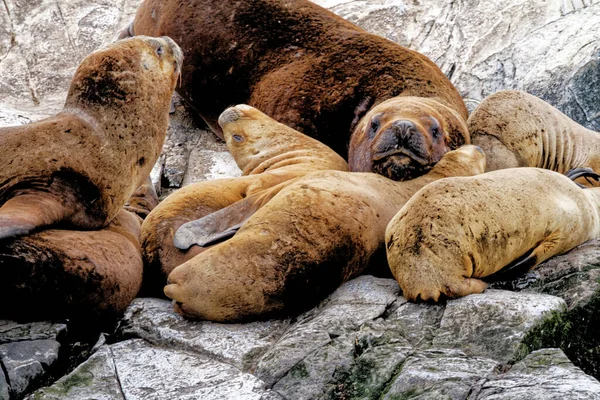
(586, 173)
(215, 227)
(515, 269)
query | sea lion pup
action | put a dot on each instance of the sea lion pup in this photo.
(269, 154)
(78, 168)
(516, 129)
(81, 275)
(456, 234)
(300, 64)
(316, 233)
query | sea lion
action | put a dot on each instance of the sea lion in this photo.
(316, 233)
(303, 66)
(78, 168)
(516, 129)
(456, 234)
(80, 275)
(269, 154)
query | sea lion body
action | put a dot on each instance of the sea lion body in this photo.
(297, 62)
(516, 129)
(78, 168)
(270, 155)
(81, 275)
(316, 233)
(457, 233)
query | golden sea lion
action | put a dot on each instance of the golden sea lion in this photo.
(316, 233)
(516, 129)
(457, 233)
(80, 275)
(269, 154)
(78, 168)
(300, 64)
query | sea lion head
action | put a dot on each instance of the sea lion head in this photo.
(135, 72)
(404, 137)
(258, 142)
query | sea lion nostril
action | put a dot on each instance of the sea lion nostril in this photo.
(232, 114)
(404, 125)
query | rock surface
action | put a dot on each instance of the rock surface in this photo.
(364, 341)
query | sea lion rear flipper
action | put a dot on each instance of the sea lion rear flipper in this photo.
(23, 214)
(582, 172)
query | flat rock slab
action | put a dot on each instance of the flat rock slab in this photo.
(11, 331)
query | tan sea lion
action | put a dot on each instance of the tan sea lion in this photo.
(456, 234)
(78, 168)
(80, 275)
(316, 233)
(302, 65)
(516, 129)
(270, 156)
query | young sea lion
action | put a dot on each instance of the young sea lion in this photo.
(456, 234)
(316, 233)
(305, 67)
(270, 156)
(516, 129)
(78, 168)
(81, 275)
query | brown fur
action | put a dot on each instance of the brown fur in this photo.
(270, 156)
(516, 129)
(78, 168)
(316, 233)
(455, 233)
(294, 60)
(82, 275)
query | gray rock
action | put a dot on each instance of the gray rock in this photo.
(549, 49)
(545, 374)
(3, 386)
(94, 379)
(134, 369)
(236, 344)
(27, 362)
(11, 331)
(495, 324)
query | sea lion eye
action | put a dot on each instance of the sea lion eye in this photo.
(238, 138)
(374, 127)
(159, 51)
(435, 132)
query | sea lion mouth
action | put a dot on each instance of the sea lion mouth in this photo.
(400, 152)
(399, 166)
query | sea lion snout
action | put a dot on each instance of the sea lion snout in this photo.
(232, 114)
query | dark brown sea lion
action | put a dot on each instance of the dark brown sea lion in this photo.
(78, 168)
(516, 129)
(80, 275)
(456, 234)
(316, 233)
(270, 155)
(305, 67)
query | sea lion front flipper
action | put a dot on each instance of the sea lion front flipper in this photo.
(23, 214)
(586, 173)
(215, 227)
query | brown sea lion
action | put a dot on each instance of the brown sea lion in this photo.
(78, 168)
(270, 156)
(303, 66)
(516, 129)
(316, 233)
(80, 275)
(456, 234)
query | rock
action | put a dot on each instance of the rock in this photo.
(238, 344)
(575, 277)
(544, 374)
(11, 331)
(495, 323)
(549, 49)
(27, 362)
(3, 387)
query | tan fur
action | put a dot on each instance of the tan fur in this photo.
(270, 155)
(297, 62)
(83, 275)
(78, 168)
(316, 233)
(456, 232)
(516, 129)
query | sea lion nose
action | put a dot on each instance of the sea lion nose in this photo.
(177, 53)
(232, 114)
(404, 128)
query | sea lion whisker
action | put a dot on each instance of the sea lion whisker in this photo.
(400, 151)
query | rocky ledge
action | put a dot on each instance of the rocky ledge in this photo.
(365, 341)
